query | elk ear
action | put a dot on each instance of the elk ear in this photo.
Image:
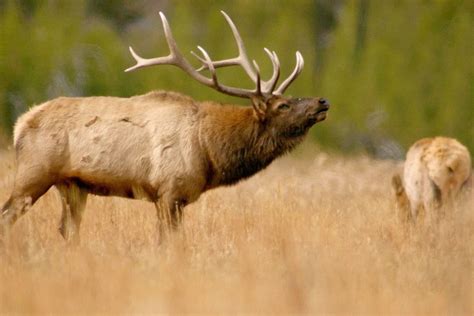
(259, 106)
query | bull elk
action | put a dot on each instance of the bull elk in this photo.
(163, 147)
(434, 172)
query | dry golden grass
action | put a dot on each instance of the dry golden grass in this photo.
(312, 234)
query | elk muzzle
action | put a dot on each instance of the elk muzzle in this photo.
(317, 110)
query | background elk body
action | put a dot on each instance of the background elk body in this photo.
(434, 172)
(162, 146)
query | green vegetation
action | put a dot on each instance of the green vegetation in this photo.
(395, 71)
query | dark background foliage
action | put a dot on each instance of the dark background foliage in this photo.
(395, 71)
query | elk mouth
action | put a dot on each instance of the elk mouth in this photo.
(321, 114)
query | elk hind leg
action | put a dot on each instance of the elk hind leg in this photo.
(401, 199)
(27, 189)
(435, 201)
(73, 200)
(11, 211)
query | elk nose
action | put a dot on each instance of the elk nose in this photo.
(323, 101)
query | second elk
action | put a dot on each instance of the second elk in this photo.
(435, 171)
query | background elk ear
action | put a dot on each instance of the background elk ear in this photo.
(260, 106)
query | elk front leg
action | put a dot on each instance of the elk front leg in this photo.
(73, 200)
(169, 213)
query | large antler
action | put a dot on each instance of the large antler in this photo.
(251, 68)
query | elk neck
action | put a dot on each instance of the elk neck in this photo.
(236, 143)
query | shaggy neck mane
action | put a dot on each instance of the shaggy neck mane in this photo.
(237, 144)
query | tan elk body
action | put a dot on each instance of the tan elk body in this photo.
(434, 172)
(163, 147)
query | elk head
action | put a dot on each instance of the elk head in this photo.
(287, 117)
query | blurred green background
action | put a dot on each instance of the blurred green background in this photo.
(394, 70)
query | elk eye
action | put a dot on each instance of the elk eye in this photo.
(283, 107)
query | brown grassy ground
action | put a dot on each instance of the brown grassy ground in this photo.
(312, 234)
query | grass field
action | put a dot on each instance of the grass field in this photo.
(314, 233)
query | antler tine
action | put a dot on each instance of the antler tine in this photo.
(269, 86)
(242, 59)
(174, 58)
(298, 68)
(258, 88)
(177, 57)
(208, 62)
(144, 62)
(170, 59)
(204, 61)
